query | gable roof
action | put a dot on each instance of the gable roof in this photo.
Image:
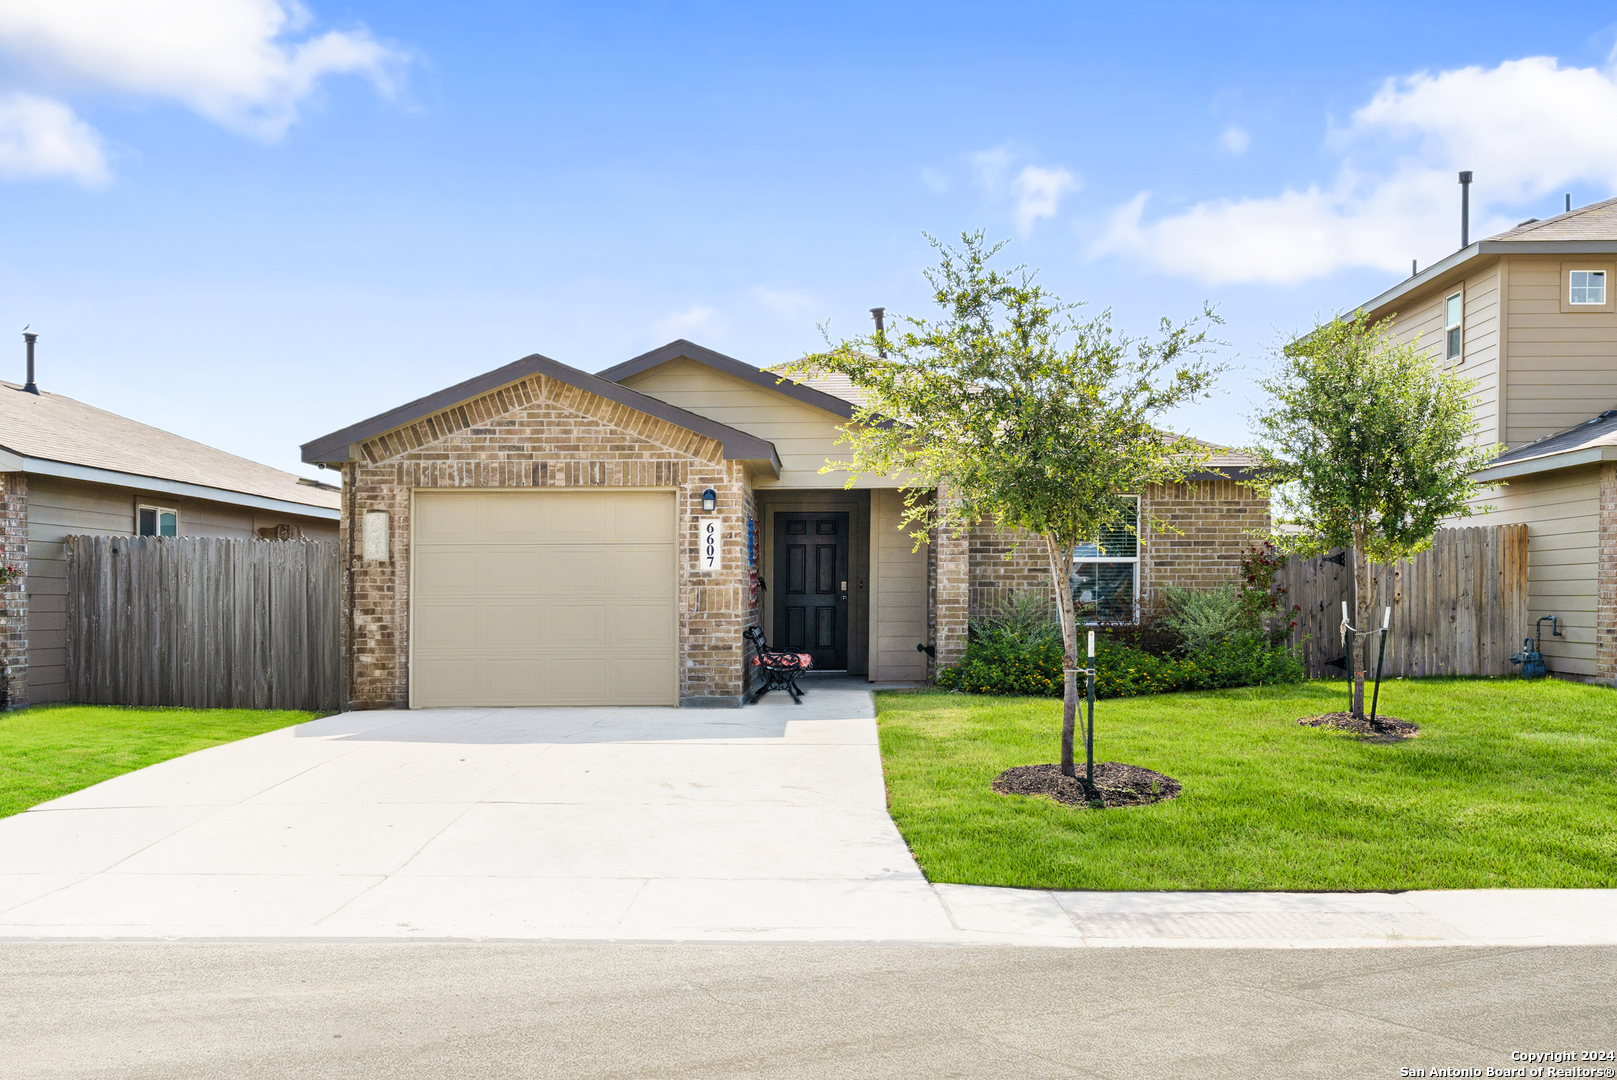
(1588, 230)
(729, 365)
(1593, 440)
(338, 447)
(50, 434)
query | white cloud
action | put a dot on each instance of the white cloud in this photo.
(1527, 128)
(784, 301)
(41, 138)
(935, 180)
(1235, 139)
(1038, 194)
(990, 167)
(246, 64)
(693, 320)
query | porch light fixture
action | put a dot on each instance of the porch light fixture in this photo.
(710, 500)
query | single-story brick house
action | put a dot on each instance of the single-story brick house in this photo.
(537, 535)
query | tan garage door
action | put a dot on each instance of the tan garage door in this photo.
(543, 598)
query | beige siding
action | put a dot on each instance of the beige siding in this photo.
(898, 594)
(1562, 366)
(1562, 513)
(805, 437)
(58, 508)
(1422, 321)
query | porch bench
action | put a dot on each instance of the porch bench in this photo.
(780, 669)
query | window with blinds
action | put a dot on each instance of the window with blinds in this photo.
(1106, 572)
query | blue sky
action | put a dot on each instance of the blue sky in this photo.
(252, 226)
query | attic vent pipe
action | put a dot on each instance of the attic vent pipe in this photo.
(879, 314)
(31, 387)
(1569, 202)
(1465, 209)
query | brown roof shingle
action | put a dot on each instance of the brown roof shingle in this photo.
(1597, 221)
(57, 428)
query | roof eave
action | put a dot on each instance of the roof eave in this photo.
(1479, 250)
(340, 446)
(13, 462)
(1543, 463)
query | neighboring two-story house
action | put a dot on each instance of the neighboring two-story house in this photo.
(1530, 316)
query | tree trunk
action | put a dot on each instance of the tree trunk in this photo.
(1061, 575)
(1363, 597)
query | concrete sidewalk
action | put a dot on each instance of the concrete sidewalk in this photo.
(765, 824)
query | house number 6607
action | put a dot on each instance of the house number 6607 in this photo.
(710, 549)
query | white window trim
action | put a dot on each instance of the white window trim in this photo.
(1081, 560)
(1449, 328)
(1604, 287)
(159, 511)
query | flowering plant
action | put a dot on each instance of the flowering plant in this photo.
(8, 574)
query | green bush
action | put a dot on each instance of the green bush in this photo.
(1204, 617)
(1001, 663)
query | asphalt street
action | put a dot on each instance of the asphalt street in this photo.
(527, 1009)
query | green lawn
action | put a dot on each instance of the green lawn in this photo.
(1510, 784)
(50, 750)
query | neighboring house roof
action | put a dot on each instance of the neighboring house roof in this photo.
(1592, 441)
(338, 446)
(49, 434)
(798, 389)
(1587, 230)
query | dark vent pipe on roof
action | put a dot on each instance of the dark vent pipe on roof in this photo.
(1465, 209)
(879, 314)
(31, 386)
(1569, 202)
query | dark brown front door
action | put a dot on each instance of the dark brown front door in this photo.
(811, 587)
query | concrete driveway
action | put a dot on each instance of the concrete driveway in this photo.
(761, 824)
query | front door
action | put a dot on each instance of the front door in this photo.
(811, 587)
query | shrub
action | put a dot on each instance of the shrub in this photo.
(1203, 616)
(997, 663)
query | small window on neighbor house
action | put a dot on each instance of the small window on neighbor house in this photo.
(1106, 572)
(1588, 287)
(156, 521)
(1452, 311)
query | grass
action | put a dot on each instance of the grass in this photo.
(1510, 785)
(51, 750)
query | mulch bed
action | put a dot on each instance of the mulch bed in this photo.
(1117, 784)
(1384, 729)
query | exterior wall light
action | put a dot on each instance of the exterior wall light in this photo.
(710, 500)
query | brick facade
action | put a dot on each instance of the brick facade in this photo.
(1215, 520)
(1606, 609)
(14, 595)
(540, 432)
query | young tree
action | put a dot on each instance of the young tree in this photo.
(1367, 444)
(1017, 411)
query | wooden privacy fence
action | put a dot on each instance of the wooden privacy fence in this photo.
(1458, 608)
(203, 622)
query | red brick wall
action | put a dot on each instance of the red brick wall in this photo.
(14, 596)
(543, 433)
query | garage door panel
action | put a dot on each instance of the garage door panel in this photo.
(446, 626)
(643, 519)
(447, 682)
(512, 626)
(574, 627)
(447, 570)
(648, 627)
(544, 598)
(509, 681)
(638, 572)
(512, 518)
(445, 517)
